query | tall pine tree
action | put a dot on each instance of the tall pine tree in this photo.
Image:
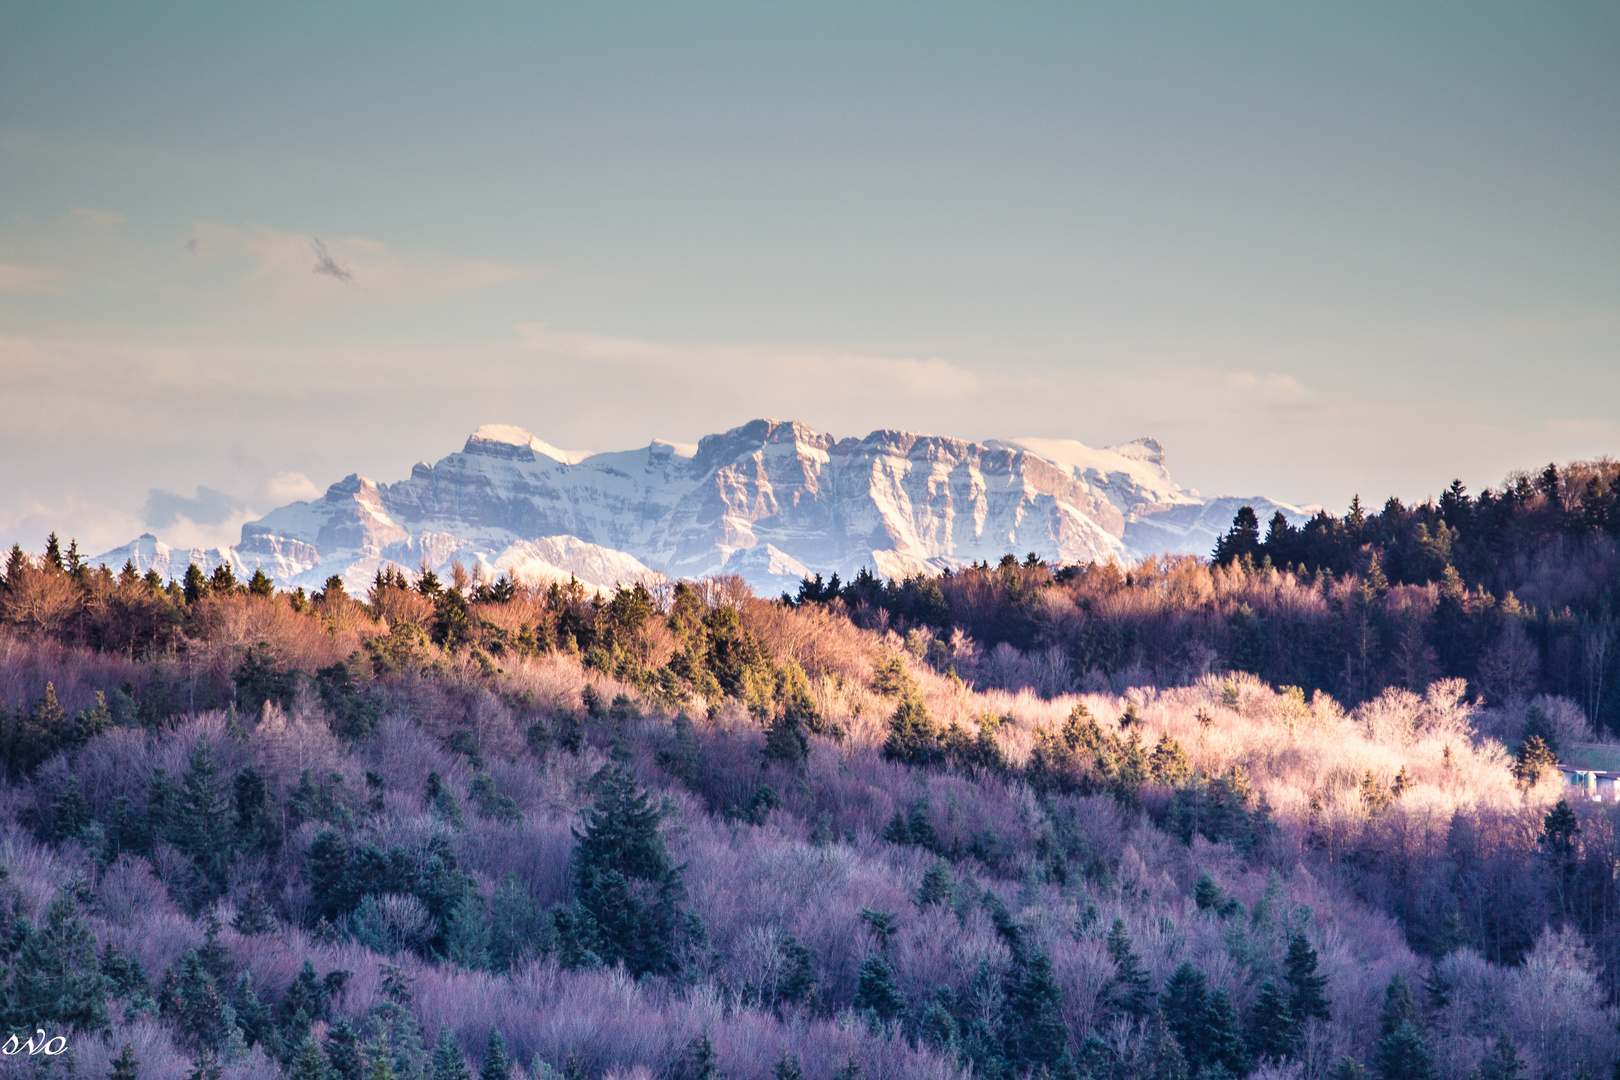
(1035, 1015)
(497, 1065)
(55, 976)
(1306, 999)
(1403, 1049)
(624, 878)
(448, 1064)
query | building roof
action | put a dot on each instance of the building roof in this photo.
(1590, 757)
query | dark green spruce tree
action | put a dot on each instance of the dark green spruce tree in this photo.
(1306, 989)
(448, 1064)
(202, 823)
(1403, 1048)
(1035, 1016)
(497, 1064)
(1271, 1032)
(623, 876)
(56, 976)
(1131, 992)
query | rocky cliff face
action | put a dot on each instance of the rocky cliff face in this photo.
(770, 500)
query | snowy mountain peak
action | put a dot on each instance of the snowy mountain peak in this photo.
(147, 552)
(508, 440)
(1145, 448)
(754, 437)
(770, 500)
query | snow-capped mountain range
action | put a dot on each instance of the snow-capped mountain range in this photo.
(771, 501)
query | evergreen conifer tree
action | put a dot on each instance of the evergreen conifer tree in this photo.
(70, 812)
(202, 823)
(448, 1064)
(1169, 1063)
(878, 990)
(1503, 1062)
(55, 974)
(1186, 997)
(514, 925)
(443, 802)
(913, 735)
(396, 985)
(252, 1016)
(1271, 1032)
(255, 825)
(1241, 540)
(785, 740)
(1223, 1044)
(308, 1062)
(223, 581)
(195, 584)
(1403, 1051)
(1534, 758)
(34, 735)
(206, 1066)
(1305, 986)
(343, 1055)
(1035, 1015)
(161, 798)
(16, 566)
(1131, 991)
(125, 1066)
(1400, 1007)
(700, 1062)
(1207, 893)
(798, 984)
(1347, 1068)
(200, 1012)
(91, 722)
(398, 1041)
(255, 916)
(260, 584)
(497, 1065)
(301, 1005)
(467, 937)
(1404, 1055)
(937, 885)
(1559, 830)
(1168, 763)
(623, 875)
(787, 1067)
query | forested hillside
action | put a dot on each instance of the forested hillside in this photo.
(1016, 821)
(1517, 591)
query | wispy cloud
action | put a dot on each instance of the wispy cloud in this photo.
(727, 383)
(1584, 435)
(94, 219)
(208, 507)
(30, 279)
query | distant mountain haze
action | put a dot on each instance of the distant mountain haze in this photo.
(771, 501)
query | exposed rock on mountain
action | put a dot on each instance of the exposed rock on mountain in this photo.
(770, 500)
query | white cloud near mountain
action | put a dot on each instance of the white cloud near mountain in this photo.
(754, 378)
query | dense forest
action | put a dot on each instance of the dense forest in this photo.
(1517, 591)
(1290, 812)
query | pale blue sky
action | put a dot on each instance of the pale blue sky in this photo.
(1315, 249)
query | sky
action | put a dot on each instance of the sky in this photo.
(1317, 250)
